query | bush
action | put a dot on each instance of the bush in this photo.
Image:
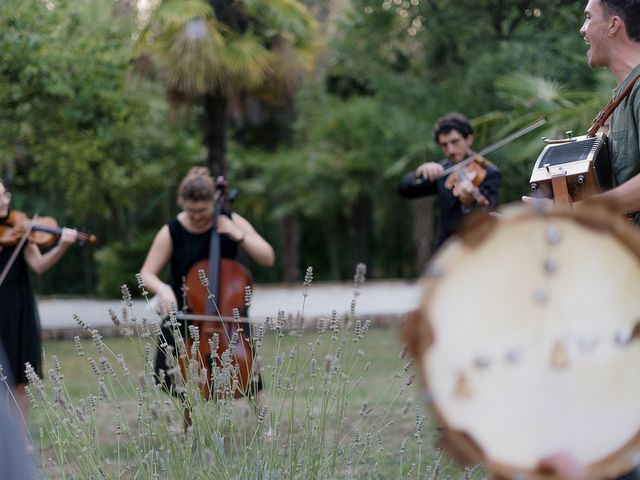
(119, 262)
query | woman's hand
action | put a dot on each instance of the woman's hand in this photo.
(166, 298)
(228, 227)
(68, 237)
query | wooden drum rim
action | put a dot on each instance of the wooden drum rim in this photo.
(420, 331)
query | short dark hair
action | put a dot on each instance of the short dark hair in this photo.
(628, 11)
(452, 121)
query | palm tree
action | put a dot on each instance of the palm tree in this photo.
(227, 54)
(530, 97)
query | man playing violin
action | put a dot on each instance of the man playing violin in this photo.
(461, 190)
(19, 323)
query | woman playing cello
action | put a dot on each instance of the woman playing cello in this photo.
(186, 239)
(19, 322)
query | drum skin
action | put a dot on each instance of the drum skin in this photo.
(525, 341)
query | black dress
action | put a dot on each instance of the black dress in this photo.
(188, 249)
(19, 321)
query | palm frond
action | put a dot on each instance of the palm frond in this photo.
(195, 52)
(285, 16)
(286, 75)
(530, 91)
(246, 61)
(176, 13)
(192, 62)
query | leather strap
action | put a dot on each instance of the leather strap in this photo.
(609, 108)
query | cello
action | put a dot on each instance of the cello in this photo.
(215, 292)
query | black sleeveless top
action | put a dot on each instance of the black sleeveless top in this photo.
(188, 249)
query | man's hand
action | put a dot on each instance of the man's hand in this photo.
(563, 465)
(430, 171)
(464, 191)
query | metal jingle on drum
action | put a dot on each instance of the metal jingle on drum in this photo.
(481, 362)
(513, 356)
(553, 234)
(623, 335)
(587, 343)
(551, 265)
(541, 296)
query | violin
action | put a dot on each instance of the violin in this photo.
(43, 232)
(228, 281)
(468, 178)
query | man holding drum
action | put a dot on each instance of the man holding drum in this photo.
(611, 29)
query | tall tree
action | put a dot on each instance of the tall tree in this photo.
(224, 55)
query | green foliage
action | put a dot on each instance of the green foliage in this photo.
(254, 45)
(84, 140)
(73, 138)
(119, 262)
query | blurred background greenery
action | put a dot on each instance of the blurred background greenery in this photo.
(312, 109)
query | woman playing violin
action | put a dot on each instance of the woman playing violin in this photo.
(185, 240)
(458, 191)
(19, 322)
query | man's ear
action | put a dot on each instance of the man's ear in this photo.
(615, 24)
(469, 139)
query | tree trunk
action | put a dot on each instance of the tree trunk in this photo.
(215, 130)
(362, 229)
(423, 231)
(291, 248)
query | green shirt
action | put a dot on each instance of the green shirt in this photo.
(624, 133)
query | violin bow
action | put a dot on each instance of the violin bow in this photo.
(15, 253)
(494, 146)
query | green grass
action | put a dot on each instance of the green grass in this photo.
(378, 416)
(340, 403)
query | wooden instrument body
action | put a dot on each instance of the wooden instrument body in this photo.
(234, 278)
(525, 341)
(572, 169)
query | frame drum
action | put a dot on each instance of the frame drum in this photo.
(525, 341)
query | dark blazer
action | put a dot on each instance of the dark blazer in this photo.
(451, 210)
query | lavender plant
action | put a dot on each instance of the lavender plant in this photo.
(319, 418)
